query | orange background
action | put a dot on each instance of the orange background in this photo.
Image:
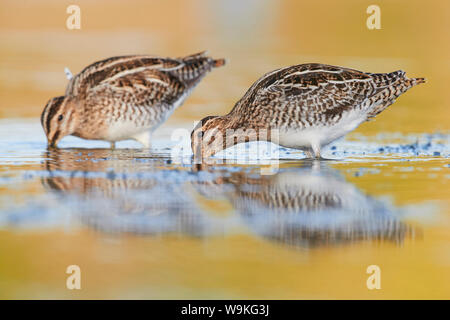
(255, 37)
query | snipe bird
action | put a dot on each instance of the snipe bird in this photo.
(304, 107)
(124, 97)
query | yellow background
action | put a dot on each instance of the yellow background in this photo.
(256, 36)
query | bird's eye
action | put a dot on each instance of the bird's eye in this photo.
(60, 117)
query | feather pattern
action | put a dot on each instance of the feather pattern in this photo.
(126, 96)
(309, 105)
(315, 94)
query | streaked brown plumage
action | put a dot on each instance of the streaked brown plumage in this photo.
(124, 97)
(305, 107)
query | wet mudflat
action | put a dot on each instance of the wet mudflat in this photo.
(148, 224)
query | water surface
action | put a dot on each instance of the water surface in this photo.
(146, 224)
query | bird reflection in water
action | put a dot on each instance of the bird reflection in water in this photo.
(121, 192)
(305, 206)
(311, 206)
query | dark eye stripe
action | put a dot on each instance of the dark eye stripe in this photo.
(42, 116)
(53, 110)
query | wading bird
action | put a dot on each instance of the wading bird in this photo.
(304, 107)
(124, 97)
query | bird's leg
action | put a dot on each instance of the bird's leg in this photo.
(316, 150)
(143, 138)
(308, 153)
(113, 145)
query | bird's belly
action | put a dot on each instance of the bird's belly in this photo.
(149, 120)
(124, 130)
(299, 138)
(319, 135)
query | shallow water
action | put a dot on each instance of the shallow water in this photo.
(148, 224)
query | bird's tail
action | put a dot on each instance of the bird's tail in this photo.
(415, 81)
(202, 57)
(391, 78)
(196, 66)
(387, 79)
(219, 63)
(387, 95)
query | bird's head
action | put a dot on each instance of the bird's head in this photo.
(208, 137)
(216, 133)
(58, 119)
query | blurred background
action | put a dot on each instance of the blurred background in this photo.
(256, 36)
(50, 216)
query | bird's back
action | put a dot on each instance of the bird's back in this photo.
(316, 94)
(182, 73)
(125, 97)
